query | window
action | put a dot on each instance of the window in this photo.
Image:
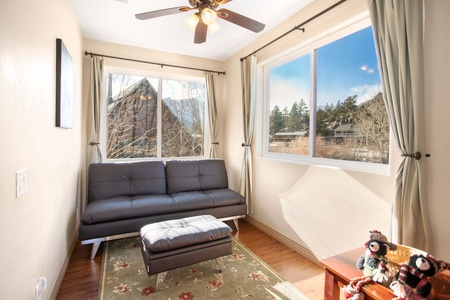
(154, 117)
(325, 103)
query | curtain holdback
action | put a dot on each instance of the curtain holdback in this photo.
(416, 155)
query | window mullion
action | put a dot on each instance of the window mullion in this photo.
(313, 104)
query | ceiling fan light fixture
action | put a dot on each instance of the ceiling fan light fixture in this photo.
(208, 16)
(214, 27)
(192, 21)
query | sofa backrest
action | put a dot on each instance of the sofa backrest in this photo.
(126, 179)
(195, 175)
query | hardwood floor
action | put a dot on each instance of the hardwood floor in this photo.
(82, 276)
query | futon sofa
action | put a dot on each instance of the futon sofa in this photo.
(123, 197)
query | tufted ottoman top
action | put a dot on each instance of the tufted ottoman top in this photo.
(173, 234)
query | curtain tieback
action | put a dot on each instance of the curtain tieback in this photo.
(416, 155)
(215, 143)
(94, 143)
(245, 145)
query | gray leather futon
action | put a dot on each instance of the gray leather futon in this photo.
(123, 197)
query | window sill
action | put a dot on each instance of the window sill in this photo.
(333, 163)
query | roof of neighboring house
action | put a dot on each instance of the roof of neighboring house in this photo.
(291, 133)
(344, 127)
(185, 110)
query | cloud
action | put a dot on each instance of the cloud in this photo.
(284, 92)
(366, 92)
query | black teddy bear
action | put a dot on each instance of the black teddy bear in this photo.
(411, 282)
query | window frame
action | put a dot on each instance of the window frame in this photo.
(160, 77)
(264, 79)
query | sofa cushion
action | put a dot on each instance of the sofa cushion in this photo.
(126, 207)
(224, 197)
(108, 209)
(126, 179)
(195, 175)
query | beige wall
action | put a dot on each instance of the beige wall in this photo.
(37, 229)
(330, 210)
(437, 105)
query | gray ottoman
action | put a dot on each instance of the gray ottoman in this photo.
(178, 243)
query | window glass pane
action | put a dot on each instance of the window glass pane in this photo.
(289, 107)
(183, 112)
(351, 119)
(131, 116)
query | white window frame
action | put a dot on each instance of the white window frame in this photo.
(160, 77)
(303, 49)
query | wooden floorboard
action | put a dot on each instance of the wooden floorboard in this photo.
(83, 274)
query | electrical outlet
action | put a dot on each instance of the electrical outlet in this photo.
(21, 183)
(41, 286)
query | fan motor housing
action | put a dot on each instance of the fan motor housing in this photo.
(213, 4)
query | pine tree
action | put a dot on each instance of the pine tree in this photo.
(276, 120)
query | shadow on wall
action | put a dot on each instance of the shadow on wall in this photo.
(332, 212)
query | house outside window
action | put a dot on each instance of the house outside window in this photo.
(324, 103)
(152, 117)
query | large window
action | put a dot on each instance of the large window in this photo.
(325, 102)
(154, 117)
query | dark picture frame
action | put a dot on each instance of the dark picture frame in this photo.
(64, 86)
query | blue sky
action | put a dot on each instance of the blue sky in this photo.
(346, 67)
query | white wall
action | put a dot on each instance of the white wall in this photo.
(37, 229)
(330, 210)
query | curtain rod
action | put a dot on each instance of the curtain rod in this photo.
(298, 27)
(154, 63)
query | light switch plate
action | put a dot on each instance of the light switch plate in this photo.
(21, 183)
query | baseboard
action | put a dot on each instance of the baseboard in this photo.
(62, 272)
(302, 250)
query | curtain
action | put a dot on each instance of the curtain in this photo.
(212, 113)
(248, 80)
(398, 32)
(93, 120)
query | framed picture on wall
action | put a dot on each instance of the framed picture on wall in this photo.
(65, 81)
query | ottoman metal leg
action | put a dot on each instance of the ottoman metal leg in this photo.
(160, 280)
(219, 262)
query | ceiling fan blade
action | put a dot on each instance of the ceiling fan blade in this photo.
(220, 2)
(200, 32)
(162, 12)
(240, 20)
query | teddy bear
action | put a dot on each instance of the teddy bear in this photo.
(373, 263)
(411, 281)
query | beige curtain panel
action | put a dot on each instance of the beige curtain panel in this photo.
(398, 30)
(212, 113)
(93, 121)
(248, 79)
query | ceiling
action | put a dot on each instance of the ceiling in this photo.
(114, 21)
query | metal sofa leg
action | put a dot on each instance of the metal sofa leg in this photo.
(94, 249)
(236, 223)
(160, 280)
(220, 264)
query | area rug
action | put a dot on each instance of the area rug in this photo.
(246, 276)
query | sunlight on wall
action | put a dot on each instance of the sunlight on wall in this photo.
(310, 207)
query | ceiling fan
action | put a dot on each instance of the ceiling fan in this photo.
(206, 15)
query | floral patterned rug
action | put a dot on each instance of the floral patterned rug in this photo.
(246, 276)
